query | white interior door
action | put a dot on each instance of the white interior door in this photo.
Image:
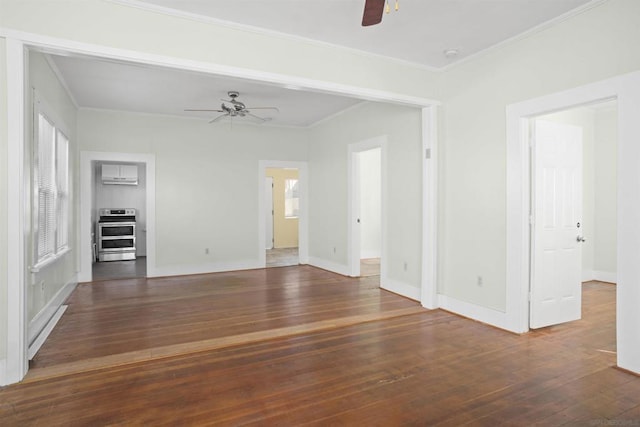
(556, 288)
(268, 211)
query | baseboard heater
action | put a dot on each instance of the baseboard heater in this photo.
(42, 336)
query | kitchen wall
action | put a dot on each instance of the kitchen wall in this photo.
(285, 230)
(125, 196)
(328, 183)
(206, 182)
(370, 203)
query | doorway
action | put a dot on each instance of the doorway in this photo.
(573, 209)
(119, 187)
(282, 213)
(366, 217)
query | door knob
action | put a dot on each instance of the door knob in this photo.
(580, 239)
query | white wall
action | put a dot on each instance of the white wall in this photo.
(125, 196)
(4, 249)
(606, 201)
(594, 45)
(328, 204)
(206, 175)
(370, 202)
(43, 286)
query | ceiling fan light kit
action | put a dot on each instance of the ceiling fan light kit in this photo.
(374, 9)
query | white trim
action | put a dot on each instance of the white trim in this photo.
(353, 232)
(267, 32)
(370, 253)
(486, 315)
(605, 276)
(400, 288)
(42, 337)
(16, 365)
(429, 289)
(87, 187)
(50, 260)
(528, 33)
(40, 321)
(332, 266)
(303, 215)
(56, 45)
(587, 276)
(626, 89)
(214, 267)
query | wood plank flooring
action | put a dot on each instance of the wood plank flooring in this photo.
(109, 323)
(428, 368)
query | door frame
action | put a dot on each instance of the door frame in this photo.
(353, 209)
(87, 189)
(303, 212)
(269, 179)
(626, 89)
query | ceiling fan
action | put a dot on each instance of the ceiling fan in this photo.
(235, 108)
(373, 10)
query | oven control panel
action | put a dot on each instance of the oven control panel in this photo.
(116, 212)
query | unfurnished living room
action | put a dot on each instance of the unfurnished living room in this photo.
(340, 212)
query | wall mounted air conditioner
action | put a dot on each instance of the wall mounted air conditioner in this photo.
(120, 174)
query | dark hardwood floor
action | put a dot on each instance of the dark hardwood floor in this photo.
(425, 368)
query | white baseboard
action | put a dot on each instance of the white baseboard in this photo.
(217, 267)
(400, 288)
(3, 372)
(329, 266)
(472, 311)
(605, 276)
(40, 321)
(370, 254)
(601, 276)
(587, 275)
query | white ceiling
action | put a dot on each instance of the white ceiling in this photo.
(111, 85)
(419, 32)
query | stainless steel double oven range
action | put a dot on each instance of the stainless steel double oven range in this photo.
(116, 234)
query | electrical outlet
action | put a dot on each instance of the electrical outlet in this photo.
(334, 249)
(405, 266)
(479, 283)
(206, 251)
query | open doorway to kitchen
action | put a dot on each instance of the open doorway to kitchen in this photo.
(282, 212)
(119, 216)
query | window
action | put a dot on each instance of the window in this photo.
(51, 190)
(291, 199)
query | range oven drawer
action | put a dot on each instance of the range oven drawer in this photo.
(117, 244)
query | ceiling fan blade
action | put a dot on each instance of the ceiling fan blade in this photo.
(264, 108)
(215, 111)
(373, 10)
(262, 119)
(218, 118)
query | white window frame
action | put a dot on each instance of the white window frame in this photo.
(290, 195)
(59, 212)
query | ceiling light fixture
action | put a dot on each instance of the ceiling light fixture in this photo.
(450, 53)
